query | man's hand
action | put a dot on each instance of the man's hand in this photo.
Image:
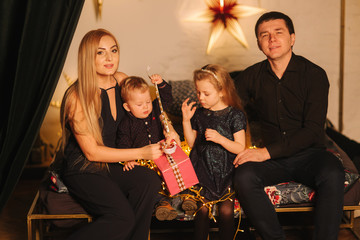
(252, 155)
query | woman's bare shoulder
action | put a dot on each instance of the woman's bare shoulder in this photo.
(120, 76)
(72, 105)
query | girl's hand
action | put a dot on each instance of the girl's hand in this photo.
(156, 78)
(152, 151)
(188, 110)
(128, 165)
(172, 135)
(213, 135)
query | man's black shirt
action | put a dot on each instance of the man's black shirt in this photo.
(291, 110)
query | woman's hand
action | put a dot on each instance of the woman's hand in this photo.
(129, 165)
(152, 151)
(188, 110)
(156, 78)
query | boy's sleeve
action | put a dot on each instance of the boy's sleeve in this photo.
(165, 91)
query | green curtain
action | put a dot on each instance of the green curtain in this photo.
(35, 36)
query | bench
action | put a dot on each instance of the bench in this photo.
(36, 216)
(38, 229)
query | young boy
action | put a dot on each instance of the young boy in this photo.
(142, 125)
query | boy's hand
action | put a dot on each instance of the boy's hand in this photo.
(129, 165)
(156, 78)
(188, 110)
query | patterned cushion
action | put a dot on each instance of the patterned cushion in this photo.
(181, 90)
(293, 192)
(288, 193)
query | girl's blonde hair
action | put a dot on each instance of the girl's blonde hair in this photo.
(85, 90)
(221, 80)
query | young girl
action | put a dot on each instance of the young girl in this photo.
(216, 134)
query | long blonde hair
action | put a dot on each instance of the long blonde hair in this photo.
(85, 89)
(221, 80)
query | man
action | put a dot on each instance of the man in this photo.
(289, 95)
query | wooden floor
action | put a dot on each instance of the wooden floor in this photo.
(13, 219)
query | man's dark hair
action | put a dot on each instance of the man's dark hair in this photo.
(273, 16)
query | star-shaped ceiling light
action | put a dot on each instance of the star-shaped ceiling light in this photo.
(224, 14)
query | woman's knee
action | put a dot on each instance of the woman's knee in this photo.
(151, 179)
(126, 220)
(146, 179)
(111, 219)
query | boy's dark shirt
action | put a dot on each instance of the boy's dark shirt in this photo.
(291, 110)
(135, 132)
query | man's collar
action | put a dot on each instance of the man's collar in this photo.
(292, 66)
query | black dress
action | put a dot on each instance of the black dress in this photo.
(75, 160)
(122, 202)
(213, 164)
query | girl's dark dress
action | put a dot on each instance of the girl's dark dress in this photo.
(213, 164)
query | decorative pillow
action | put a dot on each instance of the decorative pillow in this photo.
(181, 90)
(60, 203)
(56, 184)
(289, 193)
(295, 193)
(345, 159)
(350, 179)
(351, 173)
(352, 196)
(55, 198)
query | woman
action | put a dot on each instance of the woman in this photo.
(121, 201)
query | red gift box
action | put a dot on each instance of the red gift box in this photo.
(177, 171)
